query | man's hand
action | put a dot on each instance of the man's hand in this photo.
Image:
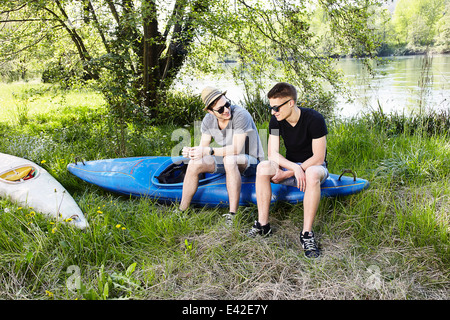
(195, 153)
(281, 175)
(185, 152)
(301, 178)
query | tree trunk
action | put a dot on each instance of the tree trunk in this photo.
(151, 56)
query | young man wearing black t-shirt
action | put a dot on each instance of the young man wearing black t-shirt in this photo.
(304, 134)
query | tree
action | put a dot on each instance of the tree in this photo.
(134, 49)
(133, 44)
(415, 21)
(442, 38)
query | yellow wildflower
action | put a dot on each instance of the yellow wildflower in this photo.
(43, 161)
(118, 226)
(49, 293)
(54, 230)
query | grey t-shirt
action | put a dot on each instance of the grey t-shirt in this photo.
(241, 122)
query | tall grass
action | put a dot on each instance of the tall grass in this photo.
(389, 242)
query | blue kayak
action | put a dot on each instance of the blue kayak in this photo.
(161, 178)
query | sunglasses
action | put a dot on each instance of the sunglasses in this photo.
(222, 108)
(277, 108)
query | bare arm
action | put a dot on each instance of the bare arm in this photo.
(318, 157)
(276, 156)
(233, 149)
(198, 152)
(204, 148)
(319, 147)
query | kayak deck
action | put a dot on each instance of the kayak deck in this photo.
(161, 178)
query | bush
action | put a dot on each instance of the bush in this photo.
(179, 108)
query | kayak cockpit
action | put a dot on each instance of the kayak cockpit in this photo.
(173, 173)
(19, 174)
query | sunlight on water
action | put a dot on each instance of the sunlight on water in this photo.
(395, 87)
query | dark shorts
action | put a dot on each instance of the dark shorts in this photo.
(250, 170)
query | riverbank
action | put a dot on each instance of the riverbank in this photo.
(389, 242)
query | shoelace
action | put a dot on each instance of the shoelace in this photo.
(254, 232)
(309, 244)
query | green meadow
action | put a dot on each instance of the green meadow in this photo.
(389, 242)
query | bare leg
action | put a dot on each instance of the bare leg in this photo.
(312, 196)
(190, 183)
(233, 178)
(265, 171)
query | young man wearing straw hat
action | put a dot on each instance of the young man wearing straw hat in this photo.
(233, 129)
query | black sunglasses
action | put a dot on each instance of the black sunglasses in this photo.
(277, 108)
(222, 108)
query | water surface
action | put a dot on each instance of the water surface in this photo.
(395, 87)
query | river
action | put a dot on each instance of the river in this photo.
(398, 85)
(395, 87)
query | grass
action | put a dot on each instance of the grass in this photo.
(389, 242)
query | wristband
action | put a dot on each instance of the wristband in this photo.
(211, 151)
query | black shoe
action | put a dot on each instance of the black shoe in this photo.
(260, 230)
(309, 244)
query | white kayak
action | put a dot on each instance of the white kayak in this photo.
(27, 184)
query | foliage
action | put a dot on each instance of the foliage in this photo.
(419, 23)
(443, 30)
(274, 41)
(112, 286)
(180, 108)
(134, 50)
(398, 27)
(120, 45)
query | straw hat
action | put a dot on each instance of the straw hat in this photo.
(210, 94)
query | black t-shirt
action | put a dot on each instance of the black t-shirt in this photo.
(298, 139)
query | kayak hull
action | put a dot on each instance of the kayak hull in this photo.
(140, 177)
(29, 185)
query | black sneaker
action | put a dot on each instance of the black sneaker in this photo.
(309, 244)
(260, 230)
